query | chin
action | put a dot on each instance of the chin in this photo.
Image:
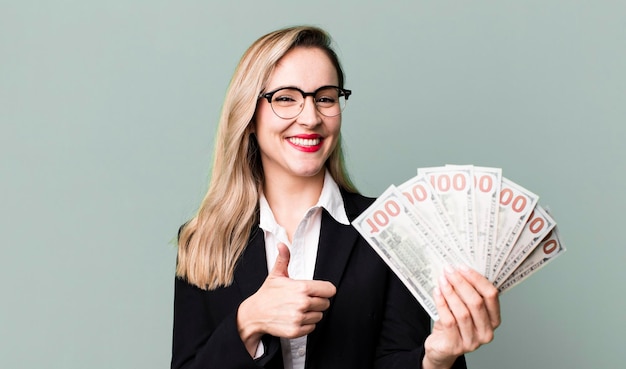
(309, 172)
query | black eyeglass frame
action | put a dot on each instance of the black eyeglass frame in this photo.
(342, 92)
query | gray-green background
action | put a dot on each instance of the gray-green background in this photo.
(108, 111)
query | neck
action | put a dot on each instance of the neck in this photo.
(294, 192)
(289, 198)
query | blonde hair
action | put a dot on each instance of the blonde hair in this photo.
(212, 242)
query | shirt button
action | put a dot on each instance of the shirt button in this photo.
(301, 351)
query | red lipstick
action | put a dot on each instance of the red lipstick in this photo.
(306, 142)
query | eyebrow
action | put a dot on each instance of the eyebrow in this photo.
(299, 88)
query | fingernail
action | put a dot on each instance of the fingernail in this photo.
(437, 292)
(443, 281)
(448, 269)
(464, 267)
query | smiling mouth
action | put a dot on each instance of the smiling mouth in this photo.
(305, 142)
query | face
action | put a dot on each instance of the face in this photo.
(297, 147)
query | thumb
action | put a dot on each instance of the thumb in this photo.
(282, 261)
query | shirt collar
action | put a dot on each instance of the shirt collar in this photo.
(330, 199)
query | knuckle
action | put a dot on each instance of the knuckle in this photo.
(488, 337)
(304, 288)
(475, 303)
(471, 344)
(300, 317)
(491, 293)
(292, 332)
(474, 346)
(297, 287)
(302, 304)
(296, 317)
(448, 323)
(463, 316)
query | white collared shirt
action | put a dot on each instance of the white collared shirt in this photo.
(303, 251)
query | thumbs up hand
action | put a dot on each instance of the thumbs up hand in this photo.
(283, 307)
(282, 262)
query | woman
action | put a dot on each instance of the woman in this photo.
(270, 273)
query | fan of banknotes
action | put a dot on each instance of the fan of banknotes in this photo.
(459, 214)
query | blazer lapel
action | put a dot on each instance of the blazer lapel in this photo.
(252, 269)
(335, 245)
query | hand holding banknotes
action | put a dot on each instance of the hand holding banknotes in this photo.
(457, 236)
(469, 312)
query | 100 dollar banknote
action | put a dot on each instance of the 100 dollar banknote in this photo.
(405, 244)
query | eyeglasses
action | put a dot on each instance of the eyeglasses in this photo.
(288, 102)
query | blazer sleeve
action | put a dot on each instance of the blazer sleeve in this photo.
(404, 329)
(205, 338)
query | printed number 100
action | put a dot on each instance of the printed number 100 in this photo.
(380, 218)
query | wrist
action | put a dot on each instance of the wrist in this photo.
(249, 331)
(431, 361)
(427, 363)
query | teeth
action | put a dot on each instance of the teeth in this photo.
(304, 141)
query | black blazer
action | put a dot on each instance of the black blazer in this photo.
(373, 321)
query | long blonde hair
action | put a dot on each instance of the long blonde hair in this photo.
(212, 242)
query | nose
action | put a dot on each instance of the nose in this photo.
(309, 116)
